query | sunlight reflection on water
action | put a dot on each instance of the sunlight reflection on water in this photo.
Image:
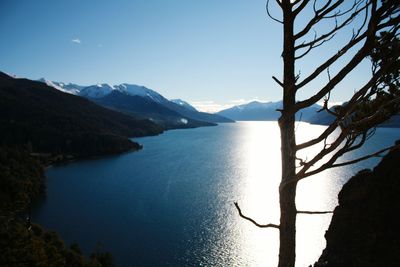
(258, 196)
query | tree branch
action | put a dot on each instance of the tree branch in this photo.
(269, 13)
(318, 15)
(376, 154)
(331, 128)
(346, 109)
(313, 212)
(346, 148)
(277, 81)
(302, 5)
(331, 60)
(329, 35)
(369, 34)
(270, 225)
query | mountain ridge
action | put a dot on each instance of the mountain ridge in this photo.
(264, 111)
(106, 95)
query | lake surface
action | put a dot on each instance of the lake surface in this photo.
(171, 204)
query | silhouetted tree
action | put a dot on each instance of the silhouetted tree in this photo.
(375, 30)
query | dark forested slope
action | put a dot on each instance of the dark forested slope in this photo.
(49, 121)
(23, 243)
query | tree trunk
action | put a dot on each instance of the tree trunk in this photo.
(287, 195)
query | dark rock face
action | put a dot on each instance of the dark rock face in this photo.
(365, 229)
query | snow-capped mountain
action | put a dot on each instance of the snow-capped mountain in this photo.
(184, 104)
(64, 87)
(260, 105)
(133, 89)
(259, 111)
(96, 91)
(140, 101)
(101, 90)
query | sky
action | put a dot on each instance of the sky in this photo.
(213, 54)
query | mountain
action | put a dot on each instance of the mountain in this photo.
(184, 115)
(145, 107)
(258, 111)
(184, 104)
(196, 115)
(137, 90)
(325, 118)
(96, 91)
(50, 121)
(64, 87)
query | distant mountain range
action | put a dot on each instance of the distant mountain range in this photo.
(142, 102)
(258, 111)
(325, 118)
(49, 121)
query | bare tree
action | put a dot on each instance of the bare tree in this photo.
(374, 28)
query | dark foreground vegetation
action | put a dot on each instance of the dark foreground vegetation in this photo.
(23, 243)
(364, 230)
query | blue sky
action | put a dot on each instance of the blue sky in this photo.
(210, 53)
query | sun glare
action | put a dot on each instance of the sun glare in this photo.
(260, 199)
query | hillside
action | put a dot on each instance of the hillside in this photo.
(50, 121)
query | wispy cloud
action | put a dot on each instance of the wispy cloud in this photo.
(76, 41)
(209, 106)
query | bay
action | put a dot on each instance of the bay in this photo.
(171, 204)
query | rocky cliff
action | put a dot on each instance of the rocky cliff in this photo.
(365, 229)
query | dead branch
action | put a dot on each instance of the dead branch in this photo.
(313, 212)
(331, 128)
(270, 225)
(277, 81)
(319, 14)
(269, 13)
(376, 154)
(302, 5)
(369, 35)
(346, 109)
(324, 152)
(338, 26)
(330, 61)
(314, 44)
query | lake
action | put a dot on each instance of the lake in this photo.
(171, 204)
